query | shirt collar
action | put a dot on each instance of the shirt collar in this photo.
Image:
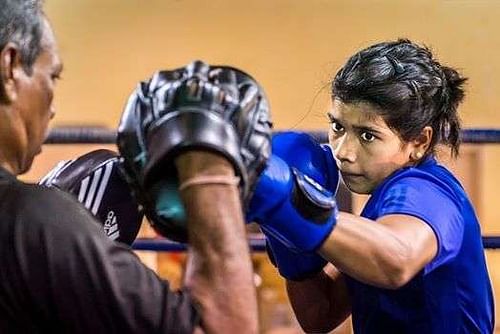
(427, 162)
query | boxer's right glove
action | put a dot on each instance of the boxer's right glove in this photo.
(198, 107)
(292, 265)
(294, 203)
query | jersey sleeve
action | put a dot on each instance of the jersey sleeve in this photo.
(87, 283)
(432, 204)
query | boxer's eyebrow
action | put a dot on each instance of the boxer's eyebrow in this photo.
(357, 127)
(364, 128)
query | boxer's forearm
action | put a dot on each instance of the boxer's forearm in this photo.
(386, 253)
(219, 273)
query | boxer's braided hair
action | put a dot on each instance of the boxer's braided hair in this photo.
(409, 87)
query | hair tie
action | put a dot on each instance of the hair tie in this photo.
(398, 67)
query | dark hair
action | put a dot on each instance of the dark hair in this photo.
(21, 22)
(408, 86)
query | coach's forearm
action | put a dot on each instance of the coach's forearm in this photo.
(219, 273)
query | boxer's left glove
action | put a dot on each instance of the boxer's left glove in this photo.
(96, 180)
(197, 107)
(300, 151)
(294, 200)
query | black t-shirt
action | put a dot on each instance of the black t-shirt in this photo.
(59, 273)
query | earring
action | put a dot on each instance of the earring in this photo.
(419, 155)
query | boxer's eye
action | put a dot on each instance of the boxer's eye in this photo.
(336, 127)
(367, 137)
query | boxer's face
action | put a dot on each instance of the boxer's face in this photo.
(366, 149)
(35, 99)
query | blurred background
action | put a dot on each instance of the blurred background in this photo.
(293, 48)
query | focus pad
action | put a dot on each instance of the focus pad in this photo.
(96, 180)
(198, 107)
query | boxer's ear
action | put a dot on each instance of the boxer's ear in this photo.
(421, 144)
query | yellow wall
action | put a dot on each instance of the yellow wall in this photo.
(291, 46)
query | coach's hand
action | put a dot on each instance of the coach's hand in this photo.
(199, 107)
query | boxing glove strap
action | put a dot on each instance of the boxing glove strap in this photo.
(311, 200)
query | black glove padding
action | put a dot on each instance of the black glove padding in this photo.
(97, 181)
(197, 107)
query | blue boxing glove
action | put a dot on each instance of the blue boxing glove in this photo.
(292, 265)
(302, 152)
(294, 197)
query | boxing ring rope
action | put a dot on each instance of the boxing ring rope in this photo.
(102, 135)
(257, 244)
(81, 135)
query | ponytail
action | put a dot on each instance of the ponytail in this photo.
(448, 123)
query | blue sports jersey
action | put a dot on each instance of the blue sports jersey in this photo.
(452, 294)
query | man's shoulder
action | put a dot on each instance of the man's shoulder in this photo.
(32, 202)
(21, 193)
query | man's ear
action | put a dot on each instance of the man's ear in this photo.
(422, 143)
(10, 65)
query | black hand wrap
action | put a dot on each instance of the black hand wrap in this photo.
(198, 107)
